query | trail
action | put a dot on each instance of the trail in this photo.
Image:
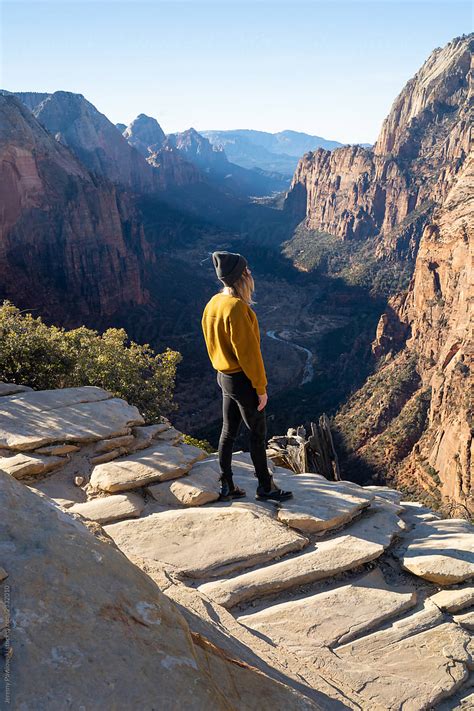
(308, 370)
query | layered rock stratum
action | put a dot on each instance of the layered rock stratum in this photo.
(346, 597)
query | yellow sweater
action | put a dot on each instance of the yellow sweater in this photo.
(232, 338)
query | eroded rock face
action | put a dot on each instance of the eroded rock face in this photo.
(145, 133)
(62, 226)
(435, 313)
(358, 193)
(77, 124)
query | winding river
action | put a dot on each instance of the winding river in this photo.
(308, 370)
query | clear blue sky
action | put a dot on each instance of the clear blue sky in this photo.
(328, 68)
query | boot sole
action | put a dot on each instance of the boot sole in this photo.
(274, 498)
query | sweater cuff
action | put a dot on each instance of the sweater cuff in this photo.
(261, 390)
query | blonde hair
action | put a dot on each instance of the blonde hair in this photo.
(243, 288)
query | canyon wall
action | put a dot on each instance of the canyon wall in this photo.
(413, 418)
(71, 243)
(358, 193)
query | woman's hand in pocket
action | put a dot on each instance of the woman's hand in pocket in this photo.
(262, 401)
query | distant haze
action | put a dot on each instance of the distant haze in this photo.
(329, 69)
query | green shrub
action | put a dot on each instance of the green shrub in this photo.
(201, 443)
(46, 357)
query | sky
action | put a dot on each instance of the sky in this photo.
(332, 69)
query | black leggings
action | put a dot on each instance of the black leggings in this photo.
(239, 403)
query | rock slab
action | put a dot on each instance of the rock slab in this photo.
(454, 600)
(24, 465)
(110, 508)
(116, 643)
(366, 540)
(332, 617)
(200, 486)
(85, 414)
(319, 504)
(422, 657)
(159, 462)
(206, 542)
(440, 551)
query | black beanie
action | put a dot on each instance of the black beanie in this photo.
(229, 266)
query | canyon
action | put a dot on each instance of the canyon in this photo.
(111, 225)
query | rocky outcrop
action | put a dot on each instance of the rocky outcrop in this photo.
(171, 167)
(389, 191)
(199, 150)
(145, 134)
(88, 629)
(266, 617)
(434, 315)
(273, 152)
(173, 170)
(70, 243)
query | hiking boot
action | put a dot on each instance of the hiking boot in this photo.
(273, 493)
(230, 491)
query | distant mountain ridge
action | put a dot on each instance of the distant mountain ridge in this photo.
(269, 151)
(147, 136)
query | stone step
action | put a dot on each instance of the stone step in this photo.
(21, 466)
(439, 551)
(200, 486)
(465, 619)
(206, 542)
(454, 600)
(332, 617)
(386, 492)
(159, 462)
(110, 508)
(84, 414)
(413, 665)
(365, 540)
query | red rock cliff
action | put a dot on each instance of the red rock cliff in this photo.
(425, 448)
(70, 244)
(355, 193)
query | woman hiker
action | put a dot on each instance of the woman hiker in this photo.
(232, 338)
